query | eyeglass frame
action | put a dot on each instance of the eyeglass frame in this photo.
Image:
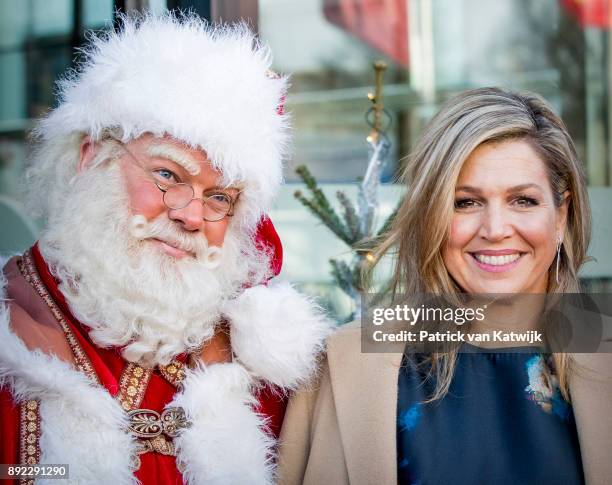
(164, 190)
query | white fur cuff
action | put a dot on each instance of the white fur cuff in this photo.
(277, 333)
(81, 424)
(226, 442)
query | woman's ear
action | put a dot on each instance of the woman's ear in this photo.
(562, 213)
(87, 153)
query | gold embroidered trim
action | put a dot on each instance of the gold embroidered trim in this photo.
(174, 372)
(28, 270)
(134, 380)
(29, 436)
(132, 386)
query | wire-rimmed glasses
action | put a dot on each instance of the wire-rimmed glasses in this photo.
(217, 205)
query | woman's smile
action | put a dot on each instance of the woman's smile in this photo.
(497, 261)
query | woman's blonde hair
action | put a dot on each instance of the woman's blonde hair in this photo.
(423, 221)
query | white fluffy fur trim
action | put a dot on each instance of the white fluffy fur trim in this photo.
(226, 443)
(81, 424)
(277, 333)
(208, 86)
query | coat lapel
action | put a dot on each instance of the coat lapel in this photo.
(365, 392)
(591, 392)
(364, 388)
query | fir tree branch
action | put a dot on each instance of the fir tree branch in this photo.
(319, 205)
(357, 279)
(343, 276)
(318, 196)
(332, 223)
(389, 221)
(350, 216)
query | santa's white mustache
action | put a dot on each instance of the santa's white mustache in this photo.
(166, 231)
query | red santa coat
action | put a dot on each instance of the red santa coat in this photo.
(52, 413)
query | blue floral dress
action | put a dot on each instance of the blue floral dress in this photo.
(503, 421)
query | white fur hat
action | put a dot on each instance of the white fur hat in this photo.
(208, 86)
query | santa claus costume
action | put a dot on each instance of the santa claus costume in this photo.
(133, 403)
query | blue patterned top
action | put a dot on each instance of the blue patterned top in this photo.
(503, 421)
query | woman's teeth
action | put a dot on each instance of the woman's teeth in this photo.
(497, 260)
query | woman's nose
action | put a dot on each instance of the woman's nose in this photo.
(495, 224)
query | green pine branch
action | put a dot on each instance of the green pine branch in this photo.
(357, 273)
(343, 275)
(389, 221)
(346, 226)
(350, 216)
(311, 183)
(320, 206)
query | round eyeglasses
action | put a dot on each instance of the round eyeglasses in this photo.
(217, 205)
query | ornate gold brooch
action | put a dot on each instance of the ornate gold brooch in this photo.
(155, 432)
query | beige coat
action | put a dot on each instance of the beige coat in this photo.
(343, 430)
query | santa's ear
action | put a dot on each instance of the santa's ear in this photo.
(87, 153)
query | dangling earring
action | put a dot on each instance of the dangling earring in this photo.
(558, 259)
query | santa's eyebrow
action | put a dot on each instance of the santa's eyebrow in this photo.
(223, 188)
(176, 155)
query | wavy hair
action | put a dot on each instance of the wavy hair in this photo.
(422, 226)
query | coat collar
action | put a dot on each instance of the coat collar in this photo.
(591, 392)
(365, 393)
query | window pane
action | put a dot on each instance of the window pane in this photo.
(331, 73)
(51, 17)
(12, 87)
(97, 13)
(14, 23)
(558, 49)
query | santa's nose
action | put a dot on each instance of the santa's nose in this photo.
(190, 217)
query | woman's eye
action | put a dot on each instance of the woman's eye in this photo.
(524, 201)
(166, 175)
(465, 203)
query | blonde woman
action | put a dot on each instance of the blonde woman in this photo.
(496, 203)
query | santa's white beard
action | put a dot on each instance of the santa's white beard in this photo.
(124, 287)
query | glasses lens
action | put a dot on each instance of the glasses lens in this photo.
(178, 196)
(217, 206)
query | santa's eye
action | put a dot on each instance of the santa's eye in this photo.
(166, 175)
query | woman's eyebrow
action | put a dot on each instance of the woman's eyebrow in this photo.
(176, 155)
(516, 188)
(468, 188)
